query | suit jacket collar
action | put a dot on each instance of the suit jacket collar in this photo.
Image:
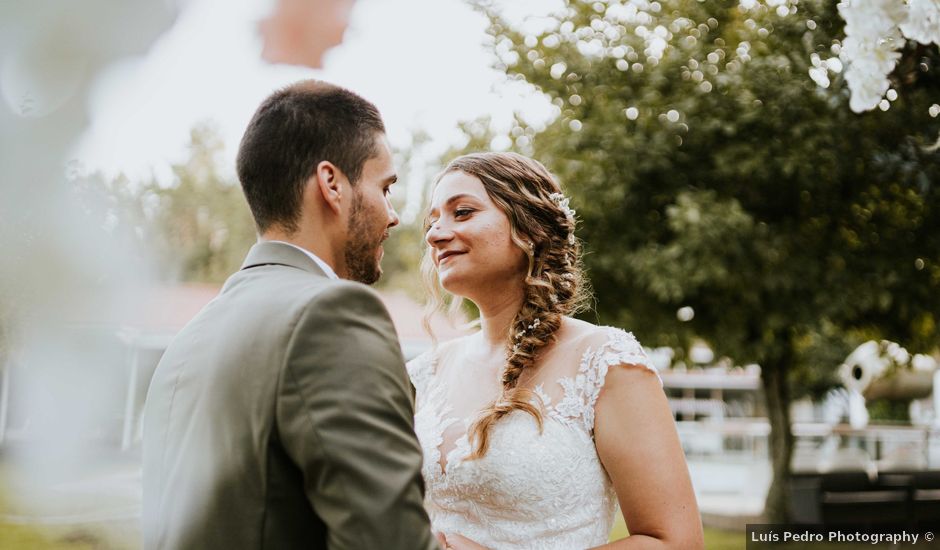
(274, 253)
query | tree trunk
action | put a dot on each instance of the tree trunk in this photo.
(777, 397)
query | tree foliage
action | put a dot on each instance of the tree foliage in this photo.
(194, 228)
(710, 171)
(197, 227)
(405, 245)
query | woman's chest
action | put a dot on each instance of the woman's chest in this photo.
(525, 470)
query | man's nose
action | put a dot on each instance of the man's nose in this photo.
(393, 219)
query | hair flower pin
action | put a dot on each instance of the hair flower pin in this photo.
(562, 202)
(533, 326)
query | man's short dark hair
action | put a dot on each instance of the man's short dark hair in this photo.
(292, 132)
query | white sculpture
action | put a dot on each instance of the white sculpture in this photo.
(886, 370)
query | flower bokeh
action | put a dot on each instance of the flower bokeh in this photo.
(875, 32)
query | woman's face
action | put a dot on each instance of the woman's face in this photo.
(470, 239)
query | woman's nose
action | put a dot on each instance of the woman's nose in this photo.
(438, 233)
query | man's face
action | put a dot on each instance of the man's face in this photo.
(371, 216)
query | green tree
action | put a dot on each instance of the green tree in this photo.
(195, 228)
(405, 247)
(710, 172)
(204, 225)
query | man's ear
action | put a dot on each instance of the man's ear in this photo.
(329, 180)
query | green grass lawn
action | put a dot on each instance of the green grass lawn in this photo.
(116, 535)
(23, 537)
(715, 539)
(719, 539)
(78, 537)
(26, 537)
(37, 537)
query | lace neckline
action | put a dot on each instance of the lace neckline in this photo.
(503, 499)
(575, 408)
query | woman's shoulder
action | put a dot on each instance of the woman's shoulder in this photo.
(421, 368)
(425, 365)
(606, 346)
(588, 336)
(598, 351)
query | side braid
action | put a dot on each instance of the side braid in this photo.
(554, 286)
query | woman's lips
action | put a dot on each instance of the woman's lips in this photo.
(446, 256)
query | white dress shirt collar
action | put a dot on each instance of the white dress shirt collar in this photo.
(323, 265)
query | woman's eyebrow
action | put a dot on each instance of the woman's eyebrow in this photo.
(429, 219)
(452, 200)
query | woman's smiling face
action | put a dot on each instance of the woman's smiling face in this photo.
(470, 238)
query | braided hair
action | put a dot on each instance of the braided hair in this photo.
(543, 226)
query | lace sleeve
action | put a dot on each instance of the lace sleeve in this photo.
(621, 348)
(420, 369)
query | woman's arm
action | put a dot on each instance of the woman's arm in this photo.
(637, 442)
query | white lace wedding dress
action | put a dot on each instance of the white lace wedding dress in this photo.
(531, 490)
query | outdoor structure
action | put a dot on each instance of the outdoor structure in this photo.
(860, 471)
(842, 470)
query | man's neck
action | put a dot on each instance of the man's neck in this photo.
(319, 247)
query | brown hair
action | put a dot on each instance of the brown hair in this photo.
(294, 130)
(555, 286)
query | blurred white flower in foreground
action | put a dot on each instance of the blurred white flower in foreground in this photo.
(875, 31)
(923, 22)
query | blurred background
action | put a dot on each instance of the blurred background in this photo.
(765, 220)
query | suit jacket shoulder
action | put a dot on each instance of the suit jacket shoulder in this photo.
(279, 417)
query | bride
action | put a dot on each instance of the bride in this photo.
(537, 426)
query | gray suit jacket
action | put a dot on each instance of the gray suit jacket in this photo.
(281, 417)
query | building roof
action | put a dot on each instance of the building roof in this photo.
(162, 311)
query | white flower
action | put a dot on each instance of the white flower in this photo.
(875, 31)
(872, 18)
(869, 65)
(923, 21)
(870, 49)
(820, 76)
(562, 202)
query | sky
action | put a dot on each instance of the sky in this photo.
(424, 63)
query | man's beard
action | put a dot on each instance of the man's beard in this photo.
(362, 263)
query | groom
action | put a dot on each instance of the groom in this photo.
(281, 416)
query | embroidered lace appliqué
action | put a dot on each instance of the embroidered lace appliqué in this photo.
(531, 490)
